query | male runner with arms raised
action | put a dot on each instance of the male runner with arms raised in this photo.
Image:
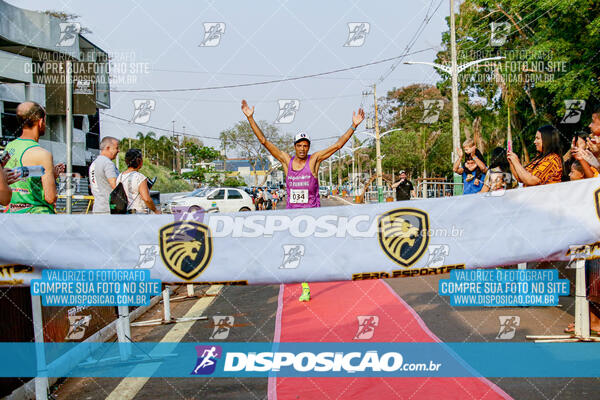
(302, 170)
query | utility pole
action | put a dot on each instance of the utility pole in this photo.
(378, 149)
(182, 151)
(177, 159)
(339, 169)
(329, 160)
(172, 143)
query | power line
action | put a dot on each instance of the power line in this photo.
(271, 81)
(307, 99)
(159, 129)
(240, 74)
(187, 133)
(413, 40)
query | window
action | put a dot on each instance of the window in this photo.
(217, 195)
(234, 194)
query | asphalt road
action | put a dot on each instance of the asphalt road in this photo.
(254, 309)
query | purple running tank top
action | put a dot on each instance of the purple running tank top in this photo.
(302, 187)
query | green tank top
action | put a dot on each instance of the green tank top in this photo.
(28, 194)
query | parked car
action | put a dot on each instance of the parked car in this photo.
(224, 199)
(323, 191)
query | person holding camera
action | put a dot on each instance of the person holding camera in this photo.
(136, 185)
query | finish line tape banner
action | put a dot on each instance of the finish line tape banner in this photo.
(384, 240)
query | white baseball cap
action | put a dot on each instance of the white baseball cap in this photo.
(301, 136)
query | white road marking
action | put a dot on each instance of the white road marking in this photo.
(129, 387)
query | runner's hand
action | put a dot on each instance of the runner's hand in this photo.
(357, 117)
(11, 177)
(248, 112)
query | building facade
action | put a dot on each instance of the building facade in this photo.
(32, 44)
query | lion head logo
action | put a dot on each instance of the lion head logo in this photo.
(186, 248)
(404, 234)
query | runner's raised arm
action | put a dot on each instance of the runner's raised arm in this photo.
(357, 118)
(283, 157)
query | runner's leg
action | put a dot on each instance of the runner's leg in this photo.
(305, 296)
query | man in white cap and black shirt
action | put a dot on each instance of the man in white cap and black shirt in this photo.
(404, 188)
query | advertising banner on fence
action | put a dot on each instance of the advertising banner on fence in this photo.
(398, 239)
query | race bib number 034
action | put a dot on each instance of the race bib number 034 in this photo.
(299, 196)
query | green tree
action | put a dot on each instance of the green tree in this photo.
(551, 55)
(419, 147)
(242, 140)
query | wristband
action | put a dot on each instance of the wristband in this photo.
(352, 127)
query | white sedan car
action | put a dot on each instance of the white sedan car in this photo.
(222, 199)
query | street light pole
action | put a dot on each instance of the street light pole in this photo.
(454, 75)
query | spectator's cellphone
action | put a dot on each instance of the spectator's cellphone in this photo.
(4, 157)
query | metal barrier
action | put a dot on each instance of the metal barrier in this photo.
(81, 204)
(123, 330)
(371, 195)
(433, 189)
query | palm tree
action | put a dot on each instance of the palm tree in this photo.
(147, 142)
(164, 146)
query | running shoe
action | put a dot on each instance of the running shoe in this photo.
(305, 292)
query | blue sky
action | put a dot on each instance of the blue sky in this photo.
(262, 41)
